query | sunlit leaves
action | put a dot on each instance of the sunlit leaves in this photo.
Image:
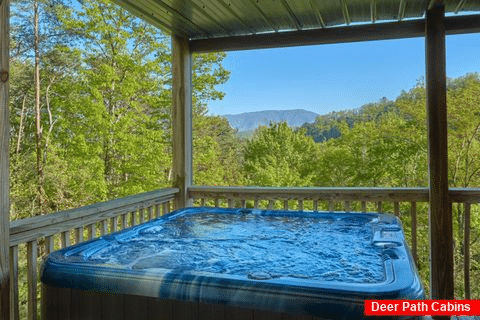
(279, 156)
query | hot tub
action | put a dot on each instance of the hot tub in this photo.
(214, 263)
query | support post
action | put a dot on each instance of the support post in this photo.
(440, 215)
(182, 117)
(4, 162)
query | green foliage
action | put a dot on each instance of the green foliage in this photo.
(105, 110)
(279, 156)
(464, 124)
(217, 152)
(381, 152)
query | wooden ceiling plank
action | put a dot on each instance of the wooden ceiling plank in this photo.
(204, 12)
(264, 16)
(228, 7)
(156, 6)
(373, 11)
(459, 6)
(358, 33)
(291, 15)
(318, 14)
(181, 17)
(346, 15)
(401, 9)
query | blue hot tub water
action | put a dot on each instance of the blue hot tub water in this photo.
(274, 260)
(254, 245)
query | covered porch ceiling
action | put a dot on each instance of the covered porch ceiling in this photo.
(249, 24)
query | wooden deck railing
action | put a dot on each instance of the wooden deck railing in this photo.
(397, 201)
(43, 234)
(37, 236)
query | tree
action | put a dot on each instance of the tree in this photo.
(105, 104)
(217, 152)
(127, 77)
(122, 99)
(464, 130)
(278, 156)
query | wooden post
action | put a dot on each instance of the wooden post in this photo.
(182, 117)
(441, 237)
(4, 162)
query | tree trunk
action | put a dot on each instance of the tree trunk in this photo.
(51, 122)
(38, 124)
(20, 130)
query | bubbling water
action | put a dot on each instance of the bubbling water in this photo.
(315, 247)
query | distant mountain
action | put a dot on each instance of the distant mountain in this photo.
(251, 120)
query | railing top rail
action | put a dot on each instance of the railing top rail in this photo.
(32, 228)
(40, 226)
(369, 194)
(471, 195)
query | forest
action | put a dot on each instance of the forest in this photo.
(90, 108)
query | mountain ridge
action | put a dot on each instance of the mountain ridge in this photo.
(248, 121)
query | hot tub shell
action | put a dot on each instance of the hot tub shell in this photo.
(73, 288)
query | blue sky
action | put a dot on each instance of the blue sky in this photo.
(336, 77)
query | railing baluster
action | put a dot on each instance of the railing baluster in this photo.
(65, 239)
(166, 207)
(331, 206)
(230, 203)
(90, 231)
(113, 224)
(379, 207)
(14, 283)
(79, 235)
(124, 221)
(49, 245)
(271, 203)
(347, 206)
(217, 202)
(285, 204)
(466, 248)
(32, 279)
(413, 213)
(141, 212)
(243, 203)
(158, 213)
(133, 218)
(104, 227)
(202, 202)
(300, 204)
(315, 205)
(396, 208)
(149, 213)
(255, 203)
(364, 206)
